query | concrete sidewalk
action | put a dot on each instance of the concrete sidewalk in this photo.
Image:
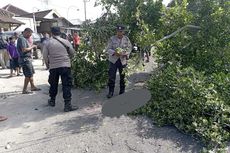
(33, 127)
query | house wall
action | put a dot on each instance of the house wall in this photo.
(50, 15)
(28, 23)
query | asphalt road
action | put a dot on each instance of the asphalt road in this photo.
(33, 127)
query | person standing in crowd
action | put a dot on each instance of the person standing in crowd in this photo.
(146, 53)
(3, 53)
(44, 40)
(57, 53)
(16, 36)
(13, 56)
(31, 42)
(25, 51)
(70, 38)
(76, 41)
(119, 47)
(64, 36)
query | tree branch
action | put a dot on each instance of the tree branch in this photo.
(177, 31)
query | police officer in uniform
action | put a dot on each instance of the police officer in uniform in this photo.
(57, 53)
(118, 48)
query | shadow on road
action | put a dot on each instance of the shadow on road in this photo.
(147, 129)
(25, 108)
(84, 123)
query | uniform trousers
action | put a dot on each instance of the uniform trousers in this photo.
(66, 78)
(112, 75)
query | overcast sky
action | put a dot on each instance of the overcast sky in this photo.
(70, 9)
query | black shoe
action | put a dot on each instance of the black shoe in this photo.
(70, 108)
(110, 95)
(121, 92)
(51, 102)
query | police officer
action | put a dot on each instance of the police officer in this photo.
(57, 53)
(118, 48)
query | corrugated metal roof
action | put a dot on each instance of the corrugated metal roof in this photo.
(5, 13)
(9, 20)
(40, 14)
(6, 17)
(14, 9)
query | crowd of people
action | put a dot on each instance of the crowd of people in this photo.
(10, 58)
(16, 54)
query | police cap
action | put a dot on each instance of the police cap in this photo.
(120, 28)
(55, 30)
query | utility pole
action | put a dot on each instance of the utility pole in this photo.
(85, 1)
(34, 19)
(35, 25)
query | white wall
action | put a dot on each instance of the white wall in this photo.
(50, 15)
(28, 23)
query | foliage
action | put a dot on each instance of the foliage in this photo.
(130, 13)
(135, 14)
(206, 50)
(89, 72)
(191, 91)
(90, 63)
(188, 99)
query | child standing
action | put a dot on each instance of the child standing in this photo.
(13, 55)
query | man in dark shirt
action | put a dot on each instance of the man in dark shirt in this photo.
(25, 51)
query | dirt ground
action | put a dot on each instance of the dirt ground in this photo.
(33, 127)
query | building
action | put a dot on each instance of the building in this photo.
(7, 22)
(40, 21)
(45, 19)
(17, 12)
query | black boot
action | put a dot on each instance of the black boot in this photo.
(51, 102)
(110, 95)
(122, 90)
(69, 107)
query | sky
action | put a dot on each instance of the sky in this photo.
(72, 10)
